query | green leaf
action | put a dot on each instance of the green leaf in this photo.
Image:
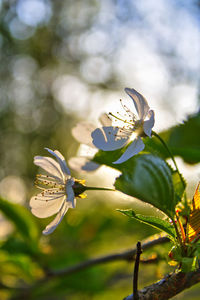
(107, 158)
(179, 185)
(150, 180)
(155, 222)
(183, 140)
(189, 264)
(22, 220)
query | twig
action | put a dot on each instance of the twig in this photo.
(126, 255)
(169, 286)
(136, 270)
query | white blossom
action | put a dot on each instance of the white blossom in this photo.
(82, 133)
(130, 131)
(58, 189)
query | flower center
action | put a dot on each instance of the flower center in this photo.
(127, 120)
(127, 124)
(79, 187)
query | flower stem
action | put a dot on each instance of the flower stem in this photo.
(170, 154)
(98, 188)
(181, 227)
(178, 234)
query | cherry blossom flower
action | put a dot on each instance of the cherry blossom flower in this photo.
(58, 189)
(82, 133)
(130, 131)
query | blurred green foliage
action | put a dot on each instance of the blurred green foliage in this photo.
(39, 47)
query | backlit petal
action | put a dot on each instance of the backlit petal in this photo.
(43, 207)
(140, 103)
(109, 138)
(49, 165)
(82, 133)
(60, 159)
(52, 226)
(105, 120)
(135, 147)
(148, 125)
(82, 164)
(70, 193)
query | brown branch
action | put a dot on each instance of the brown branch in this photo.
(169, 286)
(126, 255)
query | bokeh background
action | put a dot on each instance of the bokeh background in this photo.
(67, 61)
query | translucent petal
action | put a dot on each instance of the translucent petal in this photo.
(70, 193)
(140, 103)
(135, 147)
(82, 133)
(49, 165)
(60, 159)
(43, 208)
(109, 138)
(52, 226)
(82, 164)
(148, 125)
(105, 120)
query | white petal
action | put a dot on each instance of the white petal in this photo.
(82, 164)
(105, 120)
(140, 103)
(70, 193)
(42, 208)
(82, 133)
(49, 165)
(60, 159)
(148, 125)
(135, 147)
(52, 226)
(109, 138)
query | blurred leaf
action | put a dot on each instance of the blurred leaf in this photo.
(189, 264)
(17, 264)
(23, 221)
(15, 245)
(150, 180)
(183, 140)
(152, 221)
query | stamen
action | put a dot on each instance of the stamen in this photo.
(118, 118)
(48, 178)
(50, 198)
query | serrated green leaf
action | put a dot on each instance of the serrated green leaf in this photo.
(150, 180)
(155, 222)
(179, 185)
(22, 220)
